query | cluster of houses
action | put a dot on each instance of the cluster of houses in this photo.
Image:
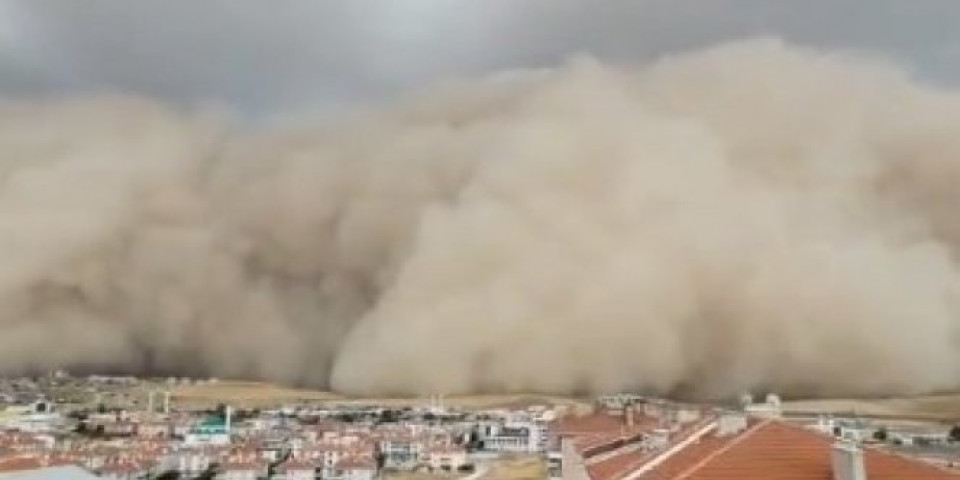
(331, 443)
(621, 437)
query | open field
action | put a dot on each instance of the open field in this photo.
(257, 394)
(524, 468)
(934, 407)
(474, 401)
(246, 394)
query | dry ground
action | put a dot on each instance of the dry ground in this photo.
(240, 394)
(526, 468)
(473, 402)
(945, 406)
(257, 394)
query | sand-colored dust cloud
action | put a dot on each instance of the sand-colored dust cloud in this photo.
(751, 216)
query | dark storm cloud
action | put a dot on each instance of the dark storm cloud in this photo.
(304, 53)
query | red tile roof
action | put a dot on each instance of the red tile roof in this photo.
(615, 467)
(16, 464)
(30, 462)
(597, 433)
(628, 460)
(769, 450)
(296, 465)
(357, 462)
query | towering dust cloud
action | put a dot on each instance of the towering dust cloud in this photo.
(750, 216)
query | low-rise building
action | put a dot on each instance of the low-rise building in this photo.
(296, 469)
(445, 456)
(353, 467)
(734, 447)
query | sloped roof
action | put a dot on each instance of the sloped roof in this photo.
(30, 462)
(776, 450)
(356, 462)
(296, 465)
(629, 458)
(616, 466)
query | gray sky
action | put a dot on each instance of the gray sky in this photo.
(271, 55)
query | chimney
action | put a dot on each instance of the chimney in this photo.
(846, 459)
(653, 409)
(628, 415)
(731, 423)
(658, 439)
(166, 403)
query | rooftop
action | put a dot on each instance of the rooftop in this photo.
(767, 450)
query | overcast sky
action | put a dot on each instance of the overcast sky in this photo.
(269, 55)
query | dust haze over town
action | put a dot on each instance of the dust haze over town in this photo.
(748, 201)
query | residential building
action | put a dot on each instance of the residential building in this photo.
(445, 456)
(735, 447)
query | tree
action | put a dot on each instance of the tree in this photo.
(221, 410)
(954, 435)
(272, 466)
(169, 475)
(881, 434)
(389, 416)
(79, 415)
(210, 473)
(474, 442)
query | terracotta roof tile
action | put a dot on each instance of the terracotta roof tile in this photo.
(296, 465)
(615, 466)
(32, 462)
(356, 462)
(776, 450)
(16, 464)
(630, 457)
